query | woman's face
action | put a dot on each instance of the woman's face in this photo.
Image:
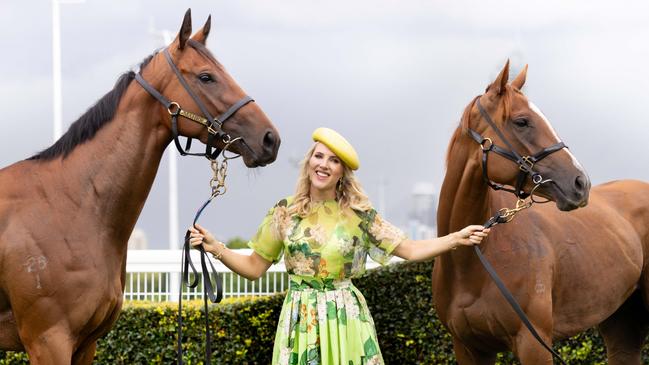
(325, 169)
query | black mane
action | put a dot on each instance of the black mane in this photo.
(84, 128)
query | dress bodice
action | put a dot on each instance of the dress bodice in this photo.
(328, 243)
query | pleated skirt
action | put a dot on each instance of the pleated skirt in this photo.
(325, 323)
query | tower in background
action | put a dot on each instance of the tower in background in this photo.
(138, 240)
(422, 219)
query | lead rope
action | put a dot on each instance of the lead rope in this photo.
(217, 186)
(506, 215)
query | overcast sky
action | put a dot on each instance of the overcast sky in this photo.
(391, 76)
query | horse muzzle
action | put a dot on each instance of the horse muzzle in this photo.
(569, 194)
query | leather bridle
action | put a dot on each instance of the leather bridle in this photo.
(213, 125)
(525, 163)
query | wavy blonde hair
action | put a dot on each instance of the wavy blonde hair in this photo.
(349, 195)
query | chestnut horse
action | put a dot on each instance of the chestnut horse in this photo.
(66, 213)
(569, 271)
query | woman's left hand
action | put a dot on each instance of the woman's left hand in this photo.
(471, 235)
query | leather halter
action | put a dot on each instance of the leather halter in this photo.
(213, 125)
(525, 163)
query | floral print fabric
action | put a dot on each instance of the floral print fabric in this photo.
(325, 319)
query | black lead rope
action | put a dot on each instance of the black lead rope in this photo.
(498, 219)
(208, 288)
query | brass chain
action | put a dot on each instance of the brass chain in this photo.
(217, 182)
(220, 170)
(508, 214)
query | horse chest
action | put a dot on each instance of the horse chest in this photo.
(477, 324)
(476, 311)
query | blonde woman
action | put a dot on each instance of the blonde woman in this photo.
(325, 233)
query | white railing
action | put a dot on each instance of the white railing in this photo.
(154, 275)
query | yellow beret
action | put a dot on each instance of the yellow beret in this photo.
(338, 145)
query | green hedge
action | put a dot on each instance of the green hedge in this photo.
(399, 297)
(242, 330)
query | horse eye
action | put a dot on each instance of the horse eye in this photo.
(521, 122)
(205, 78)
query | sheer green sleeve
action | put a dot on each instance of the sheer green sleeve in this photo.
(381, 236)
(268, 242)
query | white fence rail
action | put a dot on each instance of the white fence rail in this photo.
(154, 275)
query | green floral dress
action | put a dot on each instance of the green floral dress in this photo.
(325, 319)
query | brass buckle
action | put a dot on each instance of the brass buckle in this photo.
(211, 130)
(526, 164)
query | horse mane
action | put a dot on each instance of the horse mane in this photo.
(98, 115)
(465, 120)
(461, 129)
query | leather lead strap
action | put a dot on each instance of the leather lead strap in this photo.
(208, 288)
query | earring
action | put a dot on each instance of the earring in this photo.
(340, 186)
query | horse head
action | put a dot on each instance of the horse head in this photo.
(215, 93)
(528, 152)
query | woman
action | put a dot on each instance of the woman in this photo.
(325, 232)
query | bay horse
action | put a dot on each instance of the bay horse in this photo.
(570, 271)
(66, 213)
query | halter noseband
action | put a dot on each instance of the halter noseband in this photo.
(213, 125)
(525, 163)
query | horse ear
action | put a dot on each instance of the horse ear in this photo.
(185, 29)
(519, 81)
(201, 35)
(499, 85)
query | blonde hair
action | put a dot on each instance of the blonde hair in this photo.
(349, 195)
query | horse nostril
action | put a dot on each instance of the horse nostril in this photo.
(269, 141)
(580, 185)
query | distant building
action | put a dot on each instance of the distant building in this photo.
(138, 240)
(422, 218)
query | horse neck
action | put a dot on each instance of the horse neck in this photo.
(109, 177)
(465, 198)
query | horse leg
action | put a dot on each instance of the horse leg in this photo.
(624, 332)
(529, 351)
(51, 347)
(85, 355)
(470, 356)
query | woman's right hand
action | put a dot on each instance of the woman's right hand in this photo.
(201, 236)
(471, 235)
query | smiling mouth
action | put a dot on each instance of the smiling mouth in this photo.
(322, 174)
